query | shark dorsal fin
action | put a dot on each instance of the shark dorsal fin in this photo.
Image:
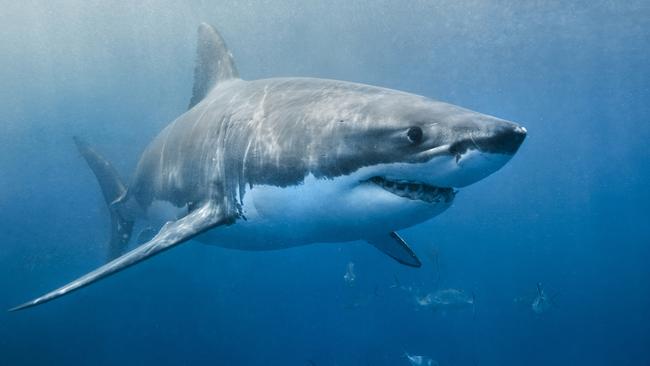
(214, 63)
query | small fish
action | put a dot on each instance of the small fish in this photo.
(542, 302)
(446, 299)
(420, 360)
(349, 276)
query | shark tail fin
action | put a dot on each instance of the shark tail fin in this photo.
(114, 191)
(214, 63)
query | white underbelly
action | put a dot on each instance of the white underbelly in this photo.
(317, 211)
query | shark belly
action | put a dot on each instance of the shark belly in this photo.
(317, 211)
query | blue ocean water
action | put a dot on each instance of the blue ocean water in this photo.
(569, 211)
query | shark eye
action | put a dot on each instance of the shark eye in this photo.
(414, 134)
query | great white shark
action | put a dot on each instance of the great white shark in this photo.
(282, 162)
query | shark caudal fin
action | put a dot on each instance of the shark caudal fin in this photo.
(214, 63)
(113, 191)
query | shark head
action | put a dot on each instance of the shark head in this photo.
(411, 148)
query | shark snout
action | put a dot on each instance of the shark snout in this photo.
(480, 150)
(504, 139)
(497, 138)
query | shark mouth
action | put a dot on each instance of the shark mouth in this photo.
(415, 190)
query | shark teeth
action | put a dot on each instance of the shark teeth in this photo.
(415, 190)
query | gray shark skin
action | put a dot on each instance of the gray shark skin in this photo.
(275, 163)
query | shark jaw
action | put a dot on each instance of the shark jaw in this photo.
(436, 181)
(415, 190)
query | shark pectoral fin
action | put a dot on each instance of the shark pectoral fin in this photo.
(395, 247)
(173, 233)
